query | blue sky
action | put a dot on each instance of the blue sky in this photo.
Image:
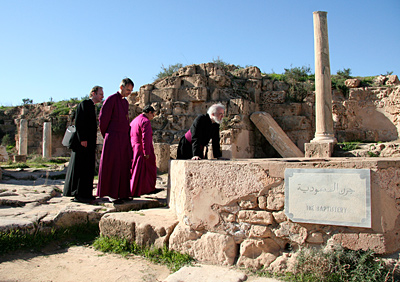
(57, 50)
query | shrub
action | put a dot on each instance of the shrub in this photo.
(299, 83)
(339, 79)
(168, 71)
(339, 265)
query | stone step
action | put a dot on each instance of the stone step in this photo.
(212, 273)
(145, 227)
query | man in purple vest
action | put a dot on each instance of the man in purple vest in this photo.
(204, 128)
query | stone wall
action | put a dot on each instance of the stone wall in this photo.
(365, 114)
(232, 212)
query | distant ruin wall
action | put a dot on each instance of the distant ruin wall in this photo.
(364, 114)
(239, 207)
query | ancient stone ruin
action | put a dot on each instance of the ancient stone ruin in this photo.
(233, 212)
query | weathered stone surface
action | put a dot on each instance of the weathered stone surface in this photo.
(162, 152)
(232, 181)
(192, 94)
(203, 273)
(3, 154)
(272, 97)
(392, 80)
(315, 238)
(284, 263)
(145, 227)
(363, 241)
(352, 83)
(209, 247)
(318, 150)
(255, 217)
(291, 231)
(257, 253)
(275, 135)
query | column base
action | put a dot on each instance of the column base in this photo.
(324, 138)
(318, 150)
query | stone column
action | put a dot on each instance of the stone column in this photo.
(47, 140)
(323, 92)
(23, 138)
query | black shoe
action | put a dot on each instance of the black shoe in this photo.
(118, 202)
(84, 200)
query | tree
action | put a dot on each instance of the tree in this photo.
(168, 71)
(27, 101)
(299, 85)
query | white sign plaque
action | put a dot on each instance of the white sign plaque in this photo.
(328, 196)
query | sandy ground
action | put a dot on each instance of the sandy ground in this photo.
(78, 263)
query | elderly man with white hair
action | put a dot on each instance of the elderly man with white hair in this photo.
(204, 128)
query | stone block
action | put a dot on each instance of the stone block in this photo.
(248, 73)
(272, 97)
(352, 83)
(162, 153)
(163, 95)
(4, 154)
(145, 227)
(267, 84)
(180, 108)
(219, 81)
(194, 201)
(291, 231)
(20, 158)
(210, 247)
(256, 217)
(315, 238)
(167, 82)
(318, 150)
(392, 80)
(195, 80)
(193, 94)
(187, 70)
(204, 273)
(258, 253)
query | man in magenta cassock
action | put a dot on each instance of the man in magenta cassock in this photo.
(144, 169)
(115, 162)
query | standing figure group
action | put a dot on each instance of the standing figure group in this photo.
(128, 163)
(116, 163)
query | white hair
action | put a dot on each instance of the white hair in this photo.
(214, 108)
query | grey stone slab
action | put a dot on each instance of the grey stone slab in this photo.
(328, 196)
(204, 273)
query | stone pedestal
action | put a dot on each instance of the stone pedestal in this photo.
(318, 150)
(3, 154)
(162, 152)
(23, 137)
(20, 158)
(47, 140)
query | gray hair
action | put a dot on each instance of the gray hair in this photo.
(214, 108)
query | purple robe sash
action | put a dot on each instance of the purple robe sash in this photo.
(188, 136)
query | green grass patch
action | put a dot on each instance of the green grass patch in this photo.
(340, 265)
(15, 240)
(172, 259)
(36, 162)
(348, 146)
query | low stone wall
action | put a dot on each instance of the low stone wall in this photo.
(232, 212)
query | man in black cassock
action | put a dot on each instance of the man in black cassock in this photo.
(80, 173)
(204, 128)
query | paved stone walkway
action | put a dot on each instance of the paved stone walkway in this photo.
(31, 199)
